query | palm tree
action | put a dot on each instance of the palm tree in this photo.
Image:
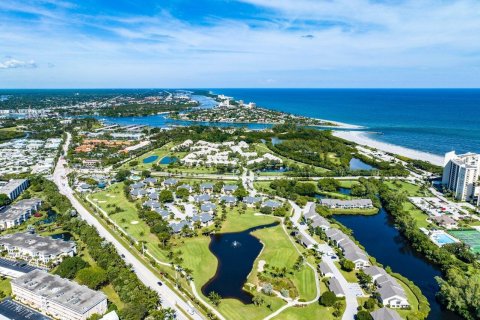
(214, 298)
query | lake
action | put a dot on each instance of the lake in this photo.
(65, 236)
(357, 164)
(382, 241)
(236, 252)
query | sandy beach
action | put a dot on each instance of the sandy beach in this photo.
(363, 138)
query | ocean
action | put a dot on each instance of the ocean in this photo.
(432, 120)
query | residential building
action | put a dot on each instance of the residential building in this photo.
(325, 269)
(385, 314)
(335, 287)
(390, 292)
(460, 175)
(14, 188)
(17, 213)
(58, 297)
(36, 250)
(347, 204)
(12, 310)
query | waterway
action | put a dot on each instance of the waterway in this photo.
(382, 241)
(236, 252)
(357, 164)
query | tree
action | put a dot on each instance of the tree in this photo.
(363, 315)
(4, 200)
(182, 193)
(92, 277)
(133, 311)
(328, 299)
(328, 184)
(122, 175)
(146, 174)
(305, 189)
(258, 300)
(266, 210)
(214, 298)
(166, 196)
(70, 266)
(370, 304)
(240, 193)
(347, 265)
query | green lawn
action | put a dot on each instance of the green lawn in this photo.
(197, 257)
(311, 311)
(417, 214)
(412, 190)
(305, 282)
(349, 276)
(233, 309)
(139, 230)
(5, 286)
(348, 183)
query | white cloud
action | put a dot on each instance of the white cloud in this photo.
(11, 63)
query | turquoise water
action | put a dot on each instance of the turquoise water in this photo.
(442, 239)
(150, 159)
(434, 120)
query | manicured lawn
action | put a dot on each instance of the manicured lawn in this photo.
(412, 190)
(349, 276)
(419, 216)
(305, 282)
(366, 212)
(233, 309)
(5, 286)
(113, 296)
(348, 183)
(311, 311)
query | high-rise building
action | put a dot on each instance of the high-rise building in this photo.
(460, 175)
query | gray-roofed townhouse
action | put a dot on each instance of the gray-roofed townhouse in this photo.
(208, 207)
(138, 185)
(202, 198)
(305, 241)
(204, 218)
(272, 204)
(320, 222)
(325, 269)
(335, 287)
(152, 204)
(228, 199)
(153, 195)
(186, 186)
(170, 182)
(385, 314)
(229, 188)
(206, 187)
(138, 193)
(347, 204)
(164, 213)
(251, 201)
(177, 227)
(150, 181)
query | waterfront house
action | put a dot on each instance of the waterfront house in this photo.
(320, 222)
(347, 204)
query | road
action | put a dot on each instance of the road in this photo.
(169, 298)
(350, 293)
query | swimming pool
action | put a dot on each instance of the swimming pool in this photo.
(150, 159)
(442, 238)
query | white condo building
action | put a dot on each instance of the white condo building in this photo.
(57, 297)
(460, 175)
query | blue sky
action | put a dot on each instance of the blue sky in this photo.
(239, 43)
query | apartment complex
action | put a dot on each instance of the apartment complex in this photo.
(14, 188)
(460, 175)
(36, 250)
(58, 297)
(16, 214)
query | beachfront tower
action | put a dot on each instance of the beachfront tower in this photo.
(460, 175)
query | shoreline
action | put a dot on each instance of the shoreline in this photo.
(362, 138)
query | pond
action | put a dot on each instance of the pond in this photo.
(276, 140)
(66, 236)
(384, 242)
(357, 164)
(236, 252)
(168, 160)
(150, 159)
(51, 217)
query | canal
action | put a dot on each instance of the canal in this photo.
(236, 252)
(382, 241)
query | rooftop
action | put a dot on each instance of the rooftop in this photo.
(36, 243)
(62, 291)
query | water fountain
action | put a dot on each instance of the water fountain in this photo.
(236, 244)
